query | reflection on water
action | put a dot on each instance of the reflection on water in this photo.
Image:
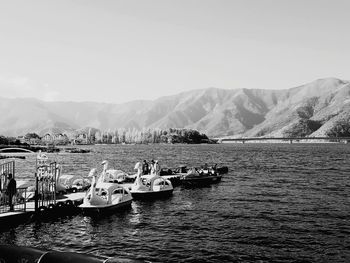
(278, 203)
(136, 214)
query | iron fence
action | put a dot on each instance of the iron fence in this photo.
(19, 200)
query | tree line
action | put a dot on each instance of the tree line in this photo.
(118, 136)
(145, 136)
(10, 141)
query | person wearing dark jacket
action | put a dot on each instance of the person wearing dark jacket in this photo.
(11, 190)
(145, 167)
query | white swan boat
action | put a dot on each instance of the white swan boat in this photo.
(104, 196)
(113, 175)
(150, 186)
(74, 183)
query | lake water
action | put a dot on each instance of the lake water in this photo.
(278, 203)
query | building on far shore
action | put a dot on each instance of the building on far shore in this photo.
(57, 139)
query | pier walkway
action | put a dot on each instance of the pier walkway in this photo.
(23, 212)
(74, 197)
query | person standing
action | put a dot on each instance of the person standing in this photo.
(153, 170)
(11, 190)
(145, 168)
(157, 168)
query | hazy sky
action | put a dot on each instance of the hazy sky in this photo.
(116, 51)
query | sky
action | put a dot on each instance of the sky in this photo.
(116, 51)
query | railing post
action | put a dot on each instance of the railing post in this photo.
(36, 193)
(25, 200)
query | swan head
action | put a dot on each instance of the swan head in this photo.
(93, 172)
(138, 166)
(105, 165)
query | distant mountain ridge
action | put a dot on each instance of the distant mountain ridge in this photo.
(215, 112)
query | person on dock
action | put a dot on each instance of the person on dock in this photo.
(11, 190)
(157, 168)
(153, 170)
(145, 167)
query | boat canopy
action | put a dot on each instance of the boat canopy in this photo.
(68, 179)
(108, 186)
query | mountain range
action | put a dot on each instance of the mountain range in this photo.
(215, 112)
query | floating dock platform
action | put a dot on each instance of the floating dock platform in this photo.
(22, 214)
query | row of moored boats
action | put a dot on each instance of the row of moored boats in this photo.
(113, 189)
(109, 192)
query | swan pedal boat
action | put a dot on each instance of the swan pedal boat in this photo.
(74, 183)
(150, 186)
(115, 176)
(104, 197)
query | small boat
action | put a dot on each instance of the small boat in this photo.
(113, 175)
(76, 150)
(182, 174)
(174, 171)
(222, 170)
(103, 197)
(195, 177)
(173, 175)
(150, 186)
(182, 170)
(74, 183)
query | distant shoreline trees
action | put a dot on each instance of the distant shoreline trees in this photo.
(148, 136)
(118, 136)
(11, 141)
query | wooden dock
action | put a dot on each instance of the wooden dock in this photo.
(24, 213)
(74, 197)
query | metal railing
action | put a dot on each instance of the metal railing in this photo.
(6, 169)
(19, 200)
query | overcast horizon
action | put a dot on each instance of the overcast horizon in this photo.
(119, 51)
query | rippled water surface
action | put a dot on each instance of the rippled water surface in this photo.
(278, 203)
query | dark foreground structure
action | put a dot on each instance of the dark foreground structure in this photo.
(9, 254)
